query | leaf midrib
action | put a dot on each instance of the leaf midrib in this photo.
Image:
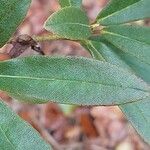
(70, 80)
(118, 11)
(90, 43)
(61, 24)
(119, 35)
(7, 138)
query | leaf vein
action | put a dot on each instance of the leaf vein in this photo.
(119, 11)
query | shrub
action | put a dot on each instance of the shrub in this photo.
(118, 74)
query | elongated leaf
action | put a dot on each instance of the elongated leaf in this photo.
(67, 3)
(122, 37)
(140, 68)
(11, 15)
(123, 11)
(118, 57)
(16, 134)
(70, 80)
(141, 34)
(137, 112)
(101, 51)
(70, 23)
(91, 46)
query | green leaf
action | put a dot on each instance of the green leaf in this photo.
(131, 40)
(11, 15)
(136, 112)
(102, 50)
(117, 54)
(141, 69)
(123, 11)
(67, 3)
(16, 134)
(70, 80)
(91, 46)
(70, 22)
